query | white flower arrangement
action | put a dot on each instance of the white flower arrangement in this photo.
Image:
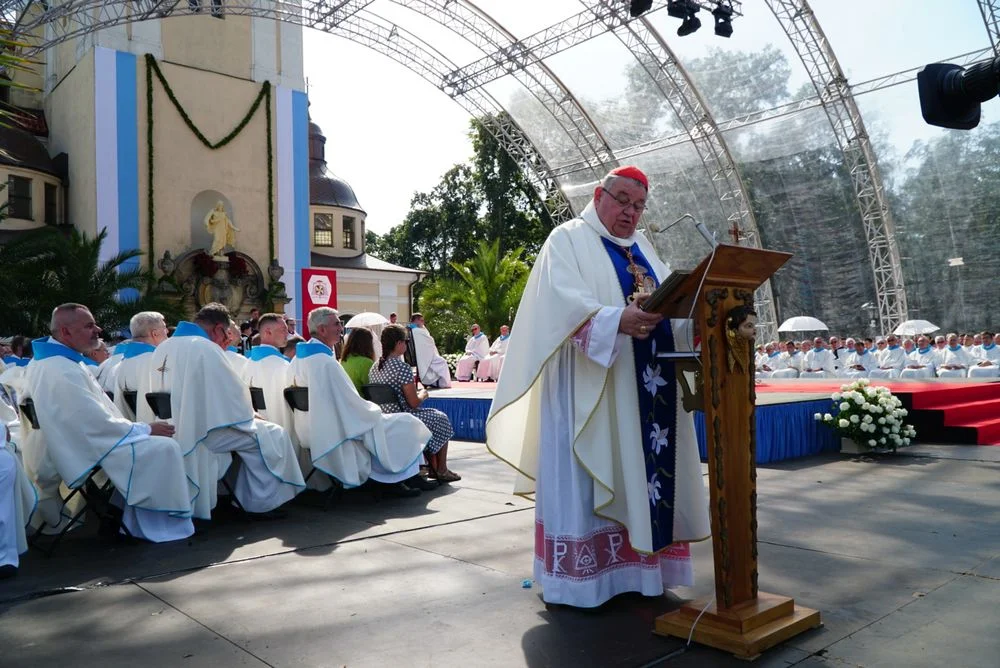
(869, 416)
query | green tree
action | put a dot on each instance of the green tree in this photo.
(45, 268)
(485, 289)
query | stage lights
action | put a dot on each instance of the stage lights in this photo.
(637, 7)
(951, 95)
(723, 14)
(687, 9)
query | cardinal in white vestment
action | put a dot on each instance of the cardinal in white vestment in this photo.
(348, 437)
(922, 361)
(431, 367)
(891, 361)
(859, 363)
(80, 428)
(987, 358)
(592, 420)
(489, 368)
(215, 419)
(476, 350)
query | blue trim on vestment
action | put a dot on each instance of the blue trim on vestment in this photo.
(310, 348)
(263, 351)
(44, 348)
(134, 349)
(185, 328)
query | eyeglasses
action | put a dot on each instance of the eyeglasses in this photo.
(624, 202)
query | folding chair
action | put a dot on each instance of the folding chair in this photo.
(160, 403)
(96, 497)
(257, 397)
(298, 400)
(130, 397)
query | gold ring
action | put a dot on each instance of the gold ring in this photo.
(643, 329)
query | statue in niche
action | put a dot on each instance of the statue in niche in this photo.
(221, 228)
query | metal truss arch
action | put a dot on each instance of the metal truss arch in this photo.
(486, 34)
(672, 80)
(806, 36)
(990, 9)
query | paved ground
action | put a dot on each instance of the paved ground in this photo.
(902, 556)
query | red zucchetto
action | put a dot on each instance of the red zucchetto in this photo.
(631, 172)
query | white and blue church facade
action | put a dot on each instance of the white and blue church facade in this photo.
(142, 129)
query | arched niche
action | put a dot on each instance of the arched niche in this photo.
(201, 204)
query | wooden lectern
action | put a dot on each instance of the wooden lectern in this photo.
(740, 619)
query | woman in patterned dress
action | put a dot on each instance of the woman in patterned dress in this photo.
(393, 371)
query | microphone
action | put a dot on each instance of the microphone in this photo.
(702, 230)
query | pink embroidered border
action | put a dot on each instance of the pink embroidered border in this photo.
(601, 551)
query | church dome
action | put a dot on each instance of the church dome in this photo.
(326, 189)
(21, 149)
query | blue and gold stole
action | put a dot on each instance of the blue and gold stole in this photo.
(657, 391)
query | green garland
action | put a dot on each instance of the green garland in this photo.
(152, 67)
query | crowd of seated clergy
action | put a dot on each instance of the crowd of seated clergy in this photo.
(884, 358)
(213, 445)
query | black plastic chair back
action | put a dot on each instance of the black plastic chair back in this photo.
(130, 397)
(28, 411)
(257, 397)
(410, 356)
(160, 403)
(379, 393)
(297, 398)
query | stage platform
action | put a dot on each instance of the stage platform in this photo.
(957, 411)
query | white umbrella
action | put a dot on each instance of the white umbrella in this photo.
(802, 323)
(914, 327)
(367, 319)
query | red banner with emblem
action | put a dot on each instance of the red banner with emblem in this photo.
(319, 288)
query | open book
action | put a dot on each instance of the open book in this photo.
(666, 289)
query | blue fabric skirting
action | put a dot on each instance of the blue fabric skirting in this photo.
(784, 431)
(467, 416)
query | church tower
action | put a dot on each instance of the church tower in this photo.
(126, 105)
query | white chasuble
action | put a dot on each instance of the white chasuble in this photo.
(207, 396)
(553, 398)
(343, 431)
(81, 428)
(476, 349)
(133, 375)
(490, 367)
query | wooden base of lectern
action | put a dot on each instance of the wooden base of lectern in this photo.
(746, 629)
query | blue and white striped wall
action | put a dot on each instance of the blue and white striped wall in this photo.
(117, 166)
(117, 150)
(292, 138)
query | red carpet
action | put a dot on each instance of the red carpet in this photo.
(942, 412)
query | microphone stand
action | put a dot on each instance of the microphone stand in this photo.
(702, 230)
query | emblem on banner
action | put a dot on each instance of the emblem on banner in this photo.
(320, 290)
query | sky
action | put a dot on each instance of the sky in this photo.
(391, 134)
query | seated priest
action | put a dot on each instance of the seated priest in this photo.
(236, 359)
(80, 429)
(987, 358)
(891, 360)
(107, 366)
(789, 363)
(768, 362)
(954, 361)
(349, 438)
(215, 419)
(818, 362)
(489, 368)
(921, 362)
(432, 369)
(908, 346)
(859, 363)
(148, 330)
(17, 496)
(267, 368)
(477, 347)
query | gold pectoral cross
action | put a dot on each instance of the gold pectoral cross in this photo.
(643, 284)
